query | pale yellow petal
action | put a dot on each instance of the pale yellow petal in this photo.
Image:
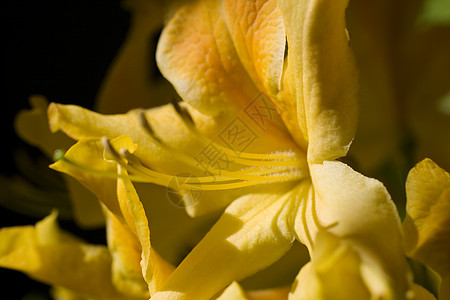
(321, 75)
(258, 34)
(251, 234)
(233, 292)
(358, 210)
(213, 53)
(46, 253)
(335, 273)
(196, 54)
(426, 228)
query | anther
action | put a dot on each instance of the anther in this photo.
(110, 150)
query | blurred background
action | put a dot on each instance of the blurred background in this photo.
(59, 49)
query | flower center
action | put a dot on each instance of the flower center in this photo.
(244, 170)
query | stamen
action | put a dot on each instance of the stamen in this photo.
(286, 158)
(110, 150)
(245, 169)
(188, 121)
(227, 177)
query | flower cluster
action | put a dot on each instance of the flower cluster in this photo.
(263, 171)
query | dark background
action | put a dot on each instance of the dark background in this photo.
(60, 49)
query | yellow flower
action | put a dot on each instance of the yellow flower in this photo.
(426, 228)
(282, 74)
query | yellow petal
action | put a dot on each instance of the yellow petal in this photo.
(259, 36)
(321, 75)
(251, 234)
(258, 33)
(132, 80)
(335, 273)
(196, 54)
(359, 211)
(80, 123)
(204, 54)
(426, 228)
(233, 292)
(46, 253)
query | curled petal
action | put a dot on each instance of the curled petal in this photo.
(358, 211)
(155, 269)
(321, 75)
(426, 225)
(335, 272)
